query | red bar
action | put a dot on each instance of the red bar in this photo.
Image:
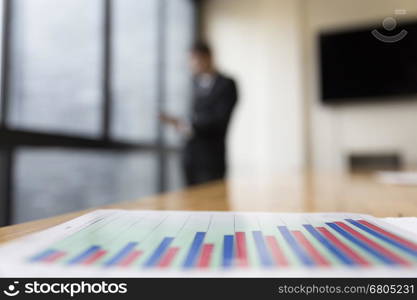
(130, 258)
(373, 244)
(241, 251)
(389, 234)
(205, 257)
(352, 254)
(276, 251)
(168, 257)
(53, 257)
(95, 257)
(316, 255)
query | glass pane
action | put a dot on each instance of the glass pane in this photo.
(135, 70)
(50, 182)
(56, 65)
(179, 32)
(175, 174)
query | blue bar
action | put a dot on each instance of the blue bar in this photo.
(83, 255)
(383, 237)
(339, 254)
(263, 252)
(361, 244)
(42, 255)
(121, 254)
(295, 246)
(227, 251)
(192, 255)
(159, 251)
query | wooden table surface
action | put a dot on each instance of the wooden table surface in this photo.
(277, 193)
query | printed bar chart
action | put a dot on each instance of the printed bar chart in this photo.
(228, 251)
(94, 257)
(54, 257)
(194, 250)
(44, 255)
(223, 241)
(205, 257)
(169, 256)
(276, 252)
(241, 252)
(130, 258)
(84, 255)
(122, 254)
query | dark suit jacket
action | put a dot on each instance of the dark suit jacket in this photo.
(205, 151)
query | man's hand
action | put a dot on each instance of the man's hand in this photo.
(181, 126)
(169, 120)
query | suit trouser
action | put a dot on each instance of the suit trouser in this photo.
(201, 165)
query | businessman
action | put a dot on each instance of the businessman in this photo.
(214, 98)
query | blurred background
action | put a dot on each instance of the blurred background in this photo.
(83, 82)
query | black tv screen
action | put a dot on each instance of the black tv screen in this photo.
(366, 65)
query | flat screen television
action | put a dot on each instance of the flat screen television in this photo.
(368, 64)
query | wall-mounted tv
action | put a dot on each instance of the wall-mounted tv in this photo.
(369, 64)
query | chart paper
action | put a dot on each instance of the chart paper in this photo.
(188, 244)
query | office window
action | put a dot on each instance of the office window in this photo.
(55, 181)
(55, 85)
(135, 67)
(179, 24)
(56, 69)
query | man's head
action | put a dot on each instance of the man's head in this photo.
(201, 58)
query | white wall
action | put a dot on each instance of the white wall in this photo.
(337, 131)
(258, 42)
(270, 46)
